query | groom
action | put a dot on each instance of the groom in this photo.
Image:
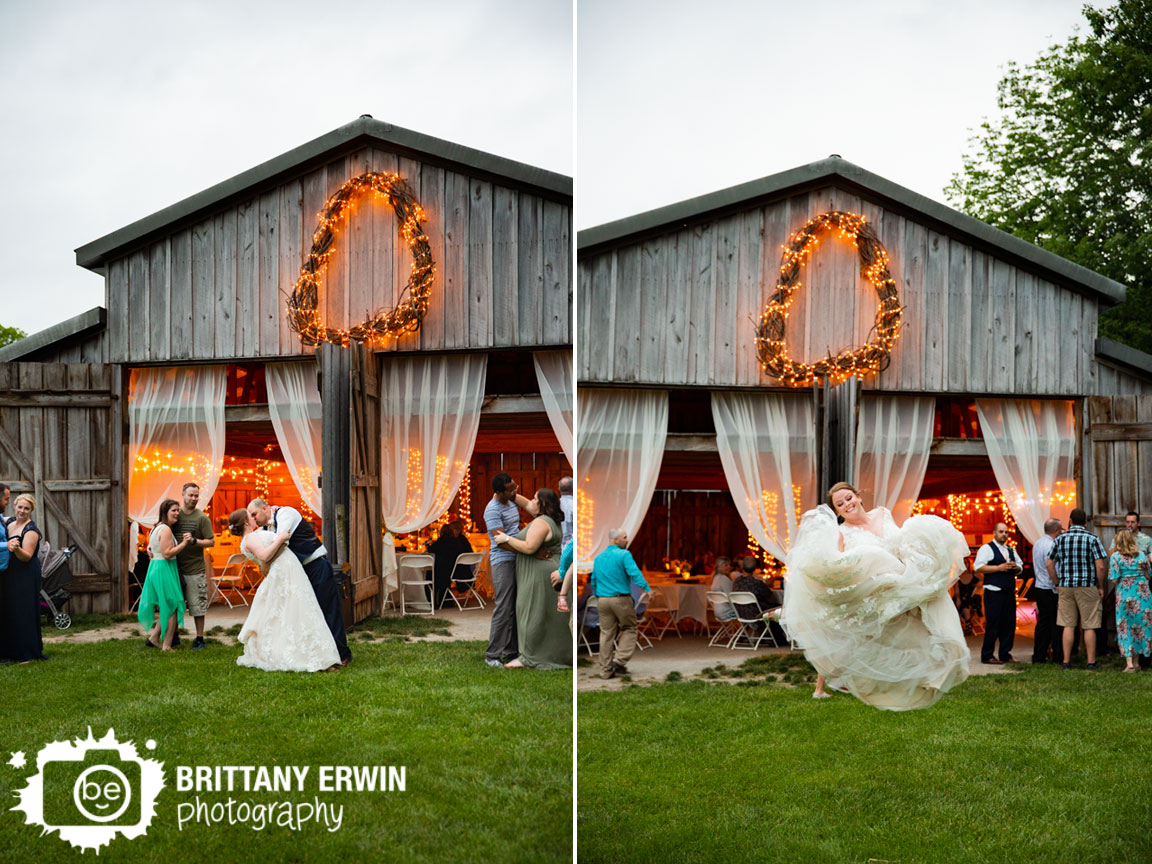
(290, 527)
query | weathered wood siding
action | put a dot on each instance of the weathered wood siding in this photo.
(680, 308)
(216, 290)
(1120, 434)
(61, 440)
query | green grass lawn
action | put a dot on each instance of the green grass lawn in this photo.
(1040, 765)
(487, 751)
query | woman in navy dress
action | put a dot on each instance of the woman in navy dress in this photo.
(20, 640)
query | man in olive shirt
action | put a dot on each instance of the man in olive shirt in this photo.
(190, 561)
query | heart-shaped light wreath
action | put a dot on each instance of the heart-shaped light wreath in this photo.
(875, 355)
(303, 315)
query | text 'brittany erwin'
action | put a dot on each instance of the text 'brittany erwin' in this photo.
(290, 778)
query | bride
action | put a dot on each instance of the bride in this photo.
(285, 630)
(868, 602)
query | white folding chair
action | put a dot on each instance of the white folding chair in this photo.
(751, 639)
(421, 565)
(641, 616)
(229, 580)
(592, 604)
(726, 625)
(658, 605)
(466, 562)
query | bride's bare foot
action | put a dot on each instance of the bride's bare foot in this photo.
(515, 664)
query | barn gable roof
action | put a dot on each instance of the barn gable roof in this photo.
(64, 333)
(842, 173)
(361, 132)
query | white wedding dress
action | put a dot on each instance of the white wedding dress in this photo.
(285, 630)
(876, 619)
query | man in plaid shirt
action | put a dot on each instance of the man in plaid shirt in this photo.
(1082, 564)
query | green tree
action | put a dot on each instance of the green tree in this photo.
(8, 335)
(1068, 164)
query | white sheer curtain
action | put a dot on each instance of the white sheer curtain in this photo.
(429, 414)
(1032, 447)
(554, 374)
(294, 403)
(893, 440)
(767, 444)
(621, 445)
(176, 435)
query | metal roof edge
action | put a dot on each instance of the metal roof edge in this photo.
(362, 130)
(80, 325)
(1132, 359)
(1109, 291)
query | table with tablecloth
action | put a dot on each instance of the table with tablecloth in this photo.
(684, 599)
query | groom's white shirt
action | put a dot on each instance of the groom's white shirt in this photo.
(288, 519)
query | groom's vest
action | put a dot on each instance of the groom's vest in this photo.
(1005, 581)
(303, 541)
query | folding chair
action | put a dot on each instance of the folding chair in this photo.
(423, 565)
(1022, 593)
(592, 604)
(658, 604)
(229, 580)
(726, 626)
(642, 602)
(468, 561)
(747, 599)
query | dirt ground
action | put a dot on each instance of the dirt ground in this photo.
(689, 655)
(470, 624)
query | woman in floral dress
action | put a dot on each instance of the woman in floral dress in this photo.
(1128, 568)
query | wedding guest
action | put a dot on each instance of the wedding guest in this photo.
(1129, 568)
(1132, 525)
(562, 578)
(999, 564)
(1080, 557)
(614, 571)
(190, 560)
(5, 495)
(161, 597)
(722, 582)
(544, 640)
(447, 547)
(503, 515)
(1047, 596)
(20, 584)
(567, 507)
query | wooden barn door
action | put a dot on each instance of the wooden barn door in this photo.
(1120, 467)
(365, 542)
(61, 438)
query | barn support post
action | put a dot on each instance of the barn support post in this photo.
(334, 371)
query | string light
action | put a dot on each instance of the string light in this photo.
(303, 314)
(585, 509)
(872, 357)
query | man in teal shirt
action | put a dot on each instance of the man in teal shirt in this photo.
(613, 572)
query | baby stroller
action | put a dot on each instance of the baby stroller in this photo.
(56, 574)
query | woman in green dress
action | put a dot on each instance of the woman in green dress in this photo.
(545, 640)
(162, 584)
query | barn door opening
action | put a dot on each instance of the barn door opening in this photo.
(61, 439)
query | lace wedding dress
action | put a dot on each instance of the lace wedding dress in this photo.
(285, 630)
(876, 619)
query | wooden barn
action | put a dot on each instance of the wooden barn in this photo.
(199, 296)
(984, 363)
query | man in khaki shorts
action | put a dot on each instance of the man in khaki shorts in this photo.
(190, 561)
(1082, 561)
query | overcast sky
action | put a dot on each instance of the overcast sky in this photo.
(113, 110)
(682, 97)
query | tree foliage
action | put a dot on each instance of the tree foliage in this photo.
(8, 335)
(1068, 164)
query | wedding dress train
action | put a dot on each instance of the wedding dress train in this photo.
(876, 619)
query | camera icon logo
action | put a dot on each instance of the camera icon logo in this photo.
(89, 791)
